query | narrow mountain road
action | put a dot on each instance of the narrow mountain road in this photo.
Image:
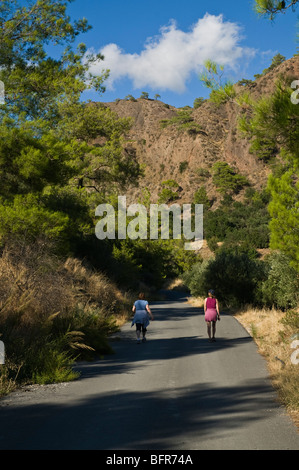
(177, 391)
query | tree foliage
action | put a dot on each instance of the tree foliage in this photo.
(183, 121)
(272, 125)
(212, 79)
(233, 274)
(169, 191)
(57, 153)
(276, 61)
(239, 279)
(281, 287)
(271, 8)
(273, 129)
(226, 179)
(244, 224)
(198, 102)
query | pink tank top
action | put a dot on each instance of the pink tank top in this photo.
(211, 303)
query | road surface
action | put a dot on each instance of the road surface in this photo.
(177, 391)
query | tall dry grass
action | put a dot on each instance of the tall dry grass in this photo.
(274, 332)
(37, 284)
(51, 312)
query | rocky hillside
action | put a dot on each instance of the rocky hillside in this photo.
(186, 155)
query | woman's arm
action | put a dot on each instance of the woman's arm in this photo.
(217, 309)
(205, 305)
(149, 311)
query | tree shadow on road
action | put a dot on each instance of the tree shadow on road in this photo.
(196, 417)
(128, 356)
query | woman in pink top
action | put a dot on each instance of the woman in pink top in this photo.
(211, 309)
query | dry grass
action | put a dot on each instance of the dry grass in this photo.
(273, 332)
(36, 285)
(175, 284)
(196, 301)
(49, 306)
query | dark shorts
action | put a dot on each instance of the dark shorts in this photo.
(139, 326)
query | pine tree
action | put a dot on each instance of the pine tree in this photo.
(274, 125)
(51, 173)
(272, 7)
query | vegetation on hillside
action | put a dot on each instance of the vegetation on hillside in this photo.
(183, 121)
(236, 231)
(273, 124)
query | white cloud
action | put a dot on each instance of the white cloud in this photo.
(168, 60)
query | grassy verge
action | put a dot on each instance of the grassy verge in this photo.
(275, 334)
(52, 313)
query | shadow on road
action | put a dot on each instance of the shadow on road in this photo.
(125, 358)
(140, 420)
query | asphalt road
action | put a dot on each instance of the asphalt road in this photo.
(177, 391)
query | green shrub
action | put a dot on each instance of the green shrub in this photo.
(183, 121)
(198, 102)
(281, 288)
(169, 191)
(236, 222)
(233, 275)
(223, 94)
(212, 244)
(183, 166)
(201, 197)
(195, 278)
(166, 195)
(226, 179)
(151, 262)
(52, 366)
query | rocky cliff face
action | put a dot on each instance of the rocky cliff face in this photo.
(186, 156)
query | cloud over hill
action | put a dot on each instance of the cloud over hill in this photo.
(169, 59)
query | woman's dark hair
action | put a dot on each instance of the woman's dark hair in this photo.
(141, 295)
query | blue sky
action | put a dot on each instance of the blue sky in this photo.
(158, 46)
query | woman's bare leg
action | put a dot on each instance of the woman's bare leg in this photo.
(214, 328)
(209, 329)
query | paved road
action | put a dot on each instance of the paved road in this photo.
(175, 392)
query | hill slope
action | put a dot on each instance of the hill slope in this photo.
(187, 156)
